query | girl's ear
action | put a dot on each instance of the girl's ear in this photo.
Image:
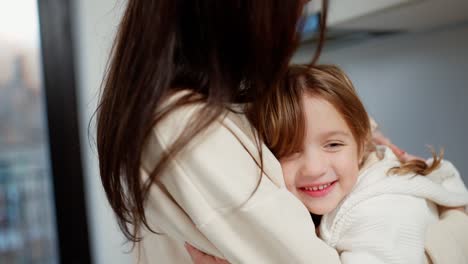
(361, 157)
(366, 148)
(361, 152)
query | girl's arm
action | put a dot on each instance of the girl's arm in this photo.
(446, 241)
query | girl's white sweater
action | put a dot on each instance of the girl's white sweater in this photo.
(385, 218)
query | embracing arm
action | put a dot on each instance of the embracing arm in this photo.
(247, 217)
(380, 247)
(447, 240)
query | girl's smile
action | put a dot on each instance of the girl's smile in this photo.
(325, 170)
(318, 190)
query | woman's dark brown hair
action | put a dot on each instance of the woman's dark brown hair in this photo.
(224, 51)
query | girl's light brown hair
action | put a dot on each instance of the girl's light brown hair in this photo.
(284, 119)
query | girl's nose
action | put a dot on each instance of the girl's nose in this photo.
(314, 164)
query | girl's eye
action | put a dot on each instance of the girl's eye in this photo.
(334, 145)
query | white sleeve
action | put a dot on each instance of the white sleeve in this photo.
(385, 229)
(448, 176)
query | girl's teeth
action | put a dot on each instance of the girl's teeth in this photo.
(317, 188)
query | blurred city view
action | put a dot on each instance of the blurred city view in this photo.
(27, 228)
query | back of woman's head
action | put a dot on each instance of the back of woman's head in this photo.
(209, 46)
(223, 50)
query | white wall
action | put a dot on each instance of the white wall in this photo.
(95, 24)
(415, 85)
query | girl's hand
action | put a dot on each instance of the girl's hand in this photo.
(199, 257)
(402, 155)
(380, 139)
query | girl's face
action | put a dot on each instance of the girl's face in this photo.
(327, 167)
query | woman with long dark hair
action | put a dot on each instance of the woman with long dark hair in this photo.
(180, 152)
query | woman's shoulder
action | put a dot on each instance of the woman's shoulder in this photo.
(227, 146)
(177, 120)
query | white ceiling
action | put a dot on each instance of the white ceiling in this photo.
(392, 15)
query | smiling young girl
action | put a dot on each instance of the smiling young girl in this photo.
(375, 209)
(371, 207)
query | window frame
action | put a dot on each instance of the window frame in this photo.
(60, 88)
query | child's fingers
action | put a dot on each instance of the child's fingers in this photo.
(397, 151)
(402, 155)
(443, 209)
(196, 255)
(380, 139)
